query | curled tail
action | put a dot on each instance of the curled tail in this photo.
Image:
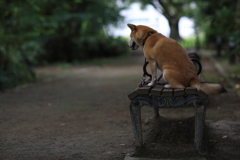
(210, 88)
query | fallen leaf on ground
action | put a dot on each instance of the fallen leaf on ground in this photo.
(225, 136)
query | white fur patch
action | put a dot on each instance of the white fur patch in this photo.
(155, 70)
(132, 44)
(164, 79)
(167, 86)
(150, 84)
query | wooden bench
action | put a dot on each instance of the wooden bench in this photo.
(160, 97)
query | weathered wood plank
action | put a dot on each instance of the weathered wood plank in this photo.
(191, 90)
(144, 90)
(157, 90)
(133, 94)
(167, 92)
(178, 92)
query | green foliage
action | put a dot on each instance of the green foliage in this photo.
(85, 48)
(190, 42)
(38, 32)
(230, 69)
(216, 18)
(13, 72)
(212, 78)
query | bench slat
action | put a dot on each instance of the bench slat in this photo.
(133, 94)
(144, 90)
(157, 90)
(178, 92)
(167, 92)
(191, 90)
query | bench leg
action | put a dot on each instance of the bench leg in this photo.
(135, 111)
(199, 123)
(156, 111)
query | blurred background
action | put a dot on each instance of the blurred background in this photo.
(37, 33)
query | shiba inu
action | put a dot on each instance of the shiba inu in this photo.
(169, 56)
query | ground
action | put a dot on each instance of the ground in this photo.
(83, 113)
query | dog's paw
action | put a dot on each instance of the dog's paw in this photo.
(167, 86)
(150, 84)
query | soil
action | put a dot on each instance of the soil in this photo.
(82, 113)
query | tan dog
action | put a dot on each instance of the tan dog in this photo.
(167, 55)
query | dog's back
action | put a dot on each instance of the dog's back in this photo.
(170, 57)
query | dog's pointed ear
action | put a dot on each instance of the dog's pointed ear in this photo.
(132, 27)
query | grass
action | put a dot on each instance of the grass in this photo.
(212, 78)
(189, 42)
(92, 62)
(102, 61)
(230, 68)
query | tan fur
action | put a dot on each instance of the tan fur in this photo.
(166, 54)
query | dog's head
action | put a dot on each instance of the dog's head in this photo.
(138, 35)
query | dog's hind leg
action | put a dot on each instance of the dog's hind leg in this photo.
(169, 76)
(153, 68)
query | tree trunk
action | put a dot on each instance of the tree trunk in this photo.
(197, 42)
(174, 29)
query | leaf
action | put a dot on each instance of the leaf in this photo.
(226, 136)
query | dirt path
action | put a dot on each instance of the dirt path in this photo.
(84, 115)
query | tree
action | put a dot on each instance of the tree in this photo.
(39, 32)
(80, 29)
(218, 20)
(173, 10)
(16, 33)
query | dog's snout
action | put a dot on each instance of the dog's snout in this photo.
(130, 43)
